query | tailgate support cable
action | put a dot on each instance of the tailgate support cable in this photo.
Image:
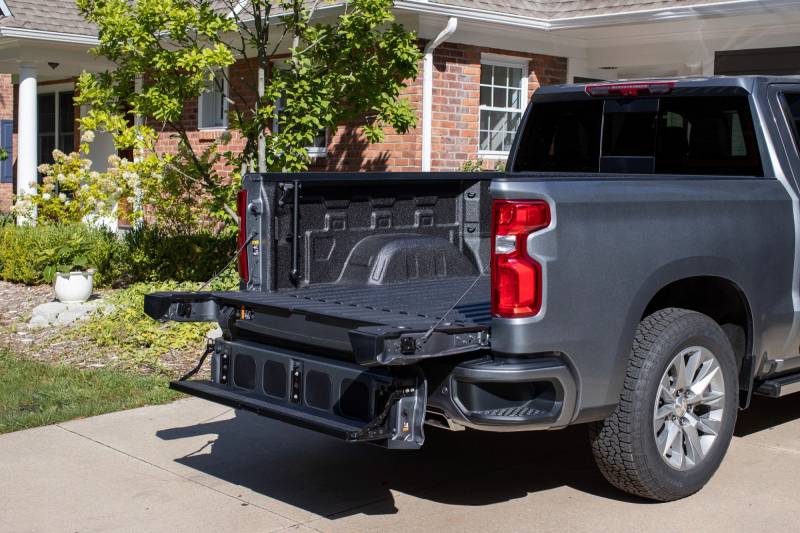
(422, 340)
(228, 264)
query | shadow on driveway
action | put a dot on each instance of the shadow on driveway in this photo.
(331, 478)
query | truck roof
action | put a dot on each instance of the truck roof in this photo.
(681, 82)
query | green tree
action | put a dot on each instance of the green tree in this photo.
(351, 66)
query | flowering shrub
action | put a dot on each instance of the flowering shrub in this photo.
(71, 191)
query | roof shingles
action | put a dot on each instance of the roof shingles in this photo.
(62, 15)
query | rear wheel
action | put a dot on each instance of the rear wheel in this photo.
(677, 409)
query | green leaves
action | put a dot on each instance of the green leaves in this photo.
(170, 44)
(350, 71)
(67, 255)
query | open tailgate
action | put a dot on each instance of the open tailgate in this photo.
(396, 324)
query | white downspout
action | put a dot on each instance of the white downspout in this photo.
(427, 91)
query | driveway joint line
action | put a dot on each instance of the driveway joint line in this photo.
(770, 447)
(181, 476)
(223, 413)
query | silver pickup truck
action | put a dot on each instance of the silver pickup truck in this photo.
(635, 269)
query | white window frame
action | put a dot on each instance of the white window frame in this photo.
(314, 152)
(497, 60)
(225, 92)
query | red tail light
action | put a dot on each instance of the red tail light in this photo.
(633, 88)
(516, 278)
(241, 208)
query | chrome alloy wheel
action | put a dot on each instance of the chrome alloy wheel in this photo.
(688, 409)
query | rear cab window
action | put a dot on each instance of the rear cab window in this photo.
(677, 135)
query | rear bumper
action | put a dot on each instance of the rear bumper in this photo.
(495, 394)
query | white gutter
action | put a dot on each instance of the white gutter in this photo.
(710, 9)
(40, 35)
(427, 91)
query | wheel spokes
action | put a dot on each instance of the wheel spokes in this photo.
(694, 450)
(710, 370)
(708, 425)
(681, 379)
(689, 404)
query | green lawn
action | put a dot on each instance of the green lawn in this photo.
(35, 394)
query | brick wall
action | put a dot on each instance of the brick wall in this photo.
(456, 99)
(6, 112)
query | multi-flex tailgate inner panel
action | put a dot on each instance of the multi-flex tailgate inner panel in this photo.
(378, 325)
(341, 399)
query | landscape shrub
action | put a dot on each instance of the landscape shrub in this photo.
(156, 254)
(136, 340)
(146, 254)
(26, 251)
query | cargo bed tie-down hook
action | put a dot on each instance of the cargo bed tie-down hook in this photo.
(422, 340)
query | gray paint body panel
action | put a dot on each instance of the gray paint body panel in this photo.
(615, 241)
(614, 244)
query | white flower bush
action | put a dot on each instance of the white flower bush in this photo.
(71, 190)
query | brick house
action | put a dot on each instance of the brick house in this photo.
(484, 60)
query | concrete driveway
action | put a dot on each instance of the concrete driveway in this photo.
(197, 466)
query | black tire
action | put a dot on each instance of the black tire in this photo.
(624, 444)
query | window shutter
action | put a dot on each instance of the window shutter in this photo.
(7, 143)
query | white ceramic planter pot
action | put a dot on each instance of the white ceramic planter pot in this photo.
(75, 287)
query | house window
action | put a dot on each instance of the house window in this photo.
(504, 94)
(319, 147)
(56, 119)
(212, 108)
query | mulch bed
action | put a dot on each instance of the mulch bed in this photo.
(50, 345)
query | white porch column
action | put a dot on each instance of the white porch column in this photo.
(27, 128)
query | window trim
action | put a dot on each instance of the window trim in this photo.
(510, 62)
(226, 96)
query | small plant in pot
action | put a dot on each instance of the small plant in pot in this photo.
(67, 268)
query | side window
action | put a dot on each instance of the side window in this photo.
(213, 104)
(793, 107)
(706, 136)
(561, 137)
(319, 147)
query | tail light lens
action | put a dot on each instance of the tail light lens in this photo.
(516, 278)
(241, 208)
